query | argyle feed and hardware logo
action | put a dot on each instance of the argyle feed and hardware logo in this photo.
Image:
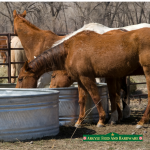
(113, 137)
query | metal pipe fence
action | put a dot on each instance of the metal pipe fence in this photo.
(135, 95)
(8, 50)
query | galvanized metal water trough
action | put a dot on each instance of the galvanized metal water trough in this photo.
(69, 107)
(28, 113)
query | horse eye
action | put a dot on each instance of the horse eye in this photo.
(20, 80)
(53, 76)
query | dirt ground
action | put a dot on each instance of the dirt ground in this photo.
(63, 140)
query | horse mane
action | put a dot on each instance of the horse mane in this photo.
(28, 23)
(32, 25)
(95, 27)
(123, 30)
(51, 59)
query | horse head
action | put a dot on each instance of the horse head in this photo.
(27, 77)
(16, 17)
(60, 78)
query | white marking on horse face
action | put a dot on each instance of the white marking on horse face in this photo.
(34, 57)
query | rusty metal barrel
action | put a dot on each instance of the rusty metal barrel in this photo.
(28, 113)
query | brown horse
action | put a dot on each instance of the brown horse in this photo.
(60, 78)
(33, 46)
(33, 39)
(87, 55)
(3, 44)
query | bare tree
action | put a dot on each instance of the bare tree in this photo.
(70, 16)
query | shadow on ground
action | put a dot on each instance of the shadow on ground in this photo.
(67, 131)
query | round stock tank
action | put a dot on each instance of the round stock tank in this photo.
(28, 113)
(69, 107)
(103, 92)
(7, 85)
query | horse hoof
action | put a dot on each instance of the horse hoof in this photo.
(77, 125)
(126, 112)
(138, 126)
(112, 122)
(100, 125)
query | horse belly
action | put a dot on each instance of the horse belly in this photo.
(116, 65)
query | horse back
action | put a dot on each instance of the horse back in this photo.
(104, 54)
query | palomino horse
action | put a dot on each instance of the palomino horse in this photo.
(87, 55)
(3, 44)
(33, 40)
(16, 56)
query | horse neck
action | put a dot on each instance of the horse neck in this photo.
(49, 60)
(35, 40)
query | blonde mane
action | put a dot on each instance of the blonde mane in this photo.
(96, 27)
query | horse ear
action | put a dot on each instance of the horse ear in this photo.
(24, 14)
(25, 66)
(14, 13)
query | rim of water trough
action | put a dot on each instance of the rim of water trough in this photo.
(100, 84)
(40, 92)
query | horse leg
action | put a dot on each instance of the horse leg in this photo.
(82, 100)
(118, 89)
(112, 88)
(146, 116)
(126, 108)
(13, 67)
(13, 72)
(90, 85)
(4, 57)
